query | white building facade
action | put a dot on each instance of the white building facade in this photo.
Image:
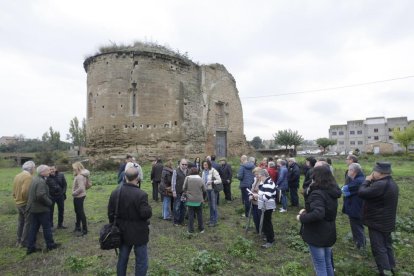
(367, 134)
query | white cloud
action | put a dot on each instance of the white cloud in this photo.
(270, 47)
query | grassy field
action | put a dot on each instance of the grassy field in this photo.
(224, 249)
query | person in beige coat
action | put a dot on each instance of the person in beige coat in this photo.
(21, 185)
(80, 184)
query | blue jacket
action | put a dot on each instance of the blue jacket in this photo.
(282, 181)
(245, 175)
(352, 202)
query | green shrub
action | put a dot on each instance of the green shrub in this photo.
(207, 263)
(106, 165)
(293, 269)
(242, 248)
(295, 241)
(103, 178)
(405, 224)
(77, 264)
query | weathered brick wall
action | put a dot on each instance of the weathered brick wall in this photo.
(175, 110)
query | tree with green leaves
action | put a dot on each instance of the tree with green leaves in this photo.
(404, 137)
(325, 142)
(288, 138)
(52, 139)
(77, 133)
(257, 142)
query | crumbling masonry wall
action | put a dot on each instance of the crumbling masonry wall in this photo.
(153, 104)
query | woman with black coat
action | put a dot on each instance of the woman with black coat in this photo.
(318, 219)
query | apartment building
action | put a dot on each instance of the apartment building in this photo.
(369, 135)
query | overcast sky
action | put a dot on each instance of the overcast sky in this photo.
(274, 48)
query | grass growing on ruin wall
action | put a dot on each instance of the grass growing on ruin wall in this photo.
(140, 46)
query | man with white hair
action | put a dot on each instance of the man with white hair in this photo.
(21, 185)
(133, 217)
(38, 205)
(128, 165)
(353, 203)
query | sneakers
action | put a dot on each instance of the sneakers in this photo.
(282, 210)
(201, 231)
(267, 245)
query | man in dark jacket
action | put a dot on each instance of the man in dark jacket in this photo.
(57, 191)
(226, 175)
(380, 195)
(121, 169)
(246, 177)
(133, 220)
(177, 183)
(293, 181)
(38, 205)
(353, 203)
(156, 173)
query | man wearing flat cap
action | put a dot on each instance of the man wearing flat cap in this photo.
(380, 195)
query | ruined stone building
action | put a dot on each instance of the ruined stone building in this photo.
(150, 101)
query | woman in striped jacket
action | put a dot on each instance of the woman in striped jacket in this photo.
(267, 203)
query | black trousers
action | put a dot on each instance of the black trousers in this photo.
(381, 247)
(192, 211)
(268, 226)
(80, 213)
(155, 190)
(60, 202)
(358, 235)
(227, 190)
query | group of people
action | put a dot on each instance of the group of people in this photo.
(35, 198)
(180, 189)
(368, 201)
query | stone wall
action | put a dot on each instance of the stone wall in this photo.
(152, 104)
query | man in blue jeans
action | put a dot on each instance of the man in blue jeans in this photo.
(177, 183)
(133, 217)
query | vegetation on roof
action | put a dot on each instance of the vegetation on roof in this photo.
(141, 46)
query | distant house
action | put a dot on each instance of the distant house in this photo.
(7, 140)
(368, 135)
(379, 147)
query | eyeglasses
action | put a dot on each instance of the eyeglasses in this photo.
(184, 164)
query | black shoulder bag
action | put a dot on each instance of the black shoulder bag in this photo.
(110, 236)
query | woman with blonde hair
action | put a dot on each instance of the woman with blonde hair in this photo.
(81, 183)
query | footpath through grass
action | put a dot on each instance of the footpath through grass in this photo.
(224, 249)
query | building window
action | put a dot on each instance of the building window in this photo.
(333, 132)
(341, 133)
(341, 142)
(390, 129)
(352, 132)
(360, 142)
(375, 137)
(134, 103)
(375, 130)
(369, 137)
(390, 137)
(352, 142)
(359, 132)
